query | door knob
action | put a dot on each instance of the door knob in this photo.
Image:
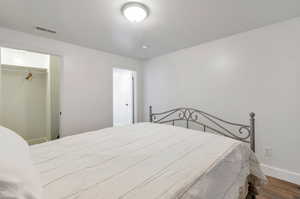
(126, 104)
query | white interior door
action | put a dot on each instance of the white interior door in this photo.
(123, 97)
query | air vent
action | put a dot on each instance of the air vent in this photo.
(45, 30)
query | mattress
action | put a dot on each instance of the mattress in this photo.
(144, 161)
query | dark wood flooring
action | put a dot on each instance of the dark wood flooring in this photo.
(278, 189)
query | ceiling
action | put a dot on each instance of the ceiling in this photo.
(172, 24)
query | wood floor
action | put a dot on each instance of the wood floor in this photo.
(278, 189)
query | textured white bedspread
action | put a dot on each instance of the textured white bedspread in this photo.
(144, 161)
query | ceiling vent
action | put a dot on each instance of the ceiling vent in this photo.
(45, 30)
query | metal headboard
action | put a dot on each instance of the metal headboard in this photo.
(244, 132)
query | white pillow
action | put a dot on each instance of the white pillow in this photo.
(18, 177)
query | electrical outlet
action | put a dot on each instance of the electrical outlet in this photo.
(268, 152)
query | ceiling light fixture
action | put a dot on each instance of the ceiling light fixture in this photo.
(145, 46)
(135, 12)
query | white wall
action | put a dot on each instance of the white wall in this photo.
(255, 71)
(86, 83)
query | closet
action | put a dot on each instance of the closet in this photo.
(30, 94)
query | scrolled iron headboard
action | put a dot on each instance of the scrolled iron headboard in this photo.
(244, 132)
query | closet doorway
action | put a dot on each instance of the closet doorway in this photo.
(30, 94)
(124, 96)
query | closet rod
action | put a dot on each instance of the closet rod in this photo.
(27, 71)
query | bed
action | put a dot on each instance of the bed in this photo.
(153, 160)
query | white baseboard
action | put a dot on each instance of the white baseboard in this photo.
(37, 140)
(283, 174)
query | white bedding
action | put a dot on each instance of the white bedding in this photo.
(144, 161)
(18, 177)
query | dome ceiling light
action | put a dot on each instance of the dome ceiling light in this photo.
(135, 12)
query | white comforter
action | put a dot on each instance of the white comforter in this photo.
(144, 161)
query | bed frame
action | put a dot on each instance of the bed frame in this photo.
(210, 123)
